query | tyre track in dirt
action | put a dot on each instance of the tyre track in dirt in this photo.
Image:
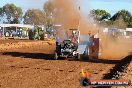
(28, 67)
(53, 72)
(20, 68)
(117, 70)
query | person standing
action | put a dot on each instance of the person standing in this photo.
(57, 40)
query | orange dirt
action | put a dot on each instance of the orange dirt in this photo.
(29, 64)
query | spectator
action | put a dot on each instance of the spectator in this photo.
(57, 40)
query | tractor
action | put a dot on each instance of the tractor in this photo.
(36, 33)
(68, 47)
(77, 46)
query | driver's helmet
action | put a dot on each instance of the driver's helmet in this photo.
(74, 32)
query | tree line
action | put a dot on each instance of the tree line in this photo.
(12, 14)
(121, 19)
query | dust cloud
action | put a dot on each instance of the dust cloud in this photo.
(68, 14)
(114, 48)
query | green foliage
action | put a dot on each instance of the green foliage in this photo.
(1, 11)
(38, 17)
(49, 14)
(48, 8)
(28, 17)
(13, 13)
(121, 19)
(129, 24)
(34, 16)
(124, 13)
(36, 34)
(15, 21)
(100, 15)
(120, 23)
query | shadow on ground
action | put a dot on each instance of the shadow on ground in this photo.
(105, 61)
(51, 56)
(30, 55)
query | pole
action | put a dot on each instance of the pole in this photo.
(4, 32)
(79, 19)
(79, 24)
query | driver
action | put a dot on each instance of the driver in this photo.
(74, 38)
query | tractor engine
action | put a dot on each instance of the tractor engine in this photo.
(68, 48)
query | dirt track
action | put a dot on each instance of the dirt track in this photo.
(29, 65)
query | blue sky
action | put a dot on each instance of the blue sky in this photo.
(112, 6)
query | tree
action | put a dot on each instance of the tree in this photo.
(13, 13)
(49, 10)
(44, 17)
(120, 23)
(34, 16)
(1, 13)
(100, 15)
(124, 13)
(28, 17)
(122, 19)
(129, 24)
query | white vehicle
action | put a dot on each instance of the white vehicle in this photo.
(128, 33)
